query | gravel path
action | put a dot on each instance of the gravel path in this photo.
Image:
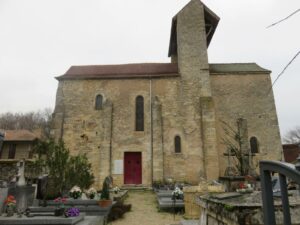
(145, 212)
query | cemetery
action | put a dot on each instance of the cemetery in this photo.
(23, 201)
(239, 197)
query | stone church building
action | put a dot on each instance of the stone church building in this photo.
(152, 121)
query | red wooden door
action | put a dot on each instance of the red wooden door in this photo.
(132, 168)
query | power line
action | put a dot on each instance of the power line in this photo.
(285, 68)
(298, 10)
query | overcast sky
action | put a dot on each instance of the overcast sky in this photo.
(41, 39)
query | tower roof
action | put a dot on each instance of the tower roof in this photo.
(211, 23)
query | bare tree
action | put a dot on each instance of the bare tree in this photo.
(292, 136)
(28, 121)
(233, 140)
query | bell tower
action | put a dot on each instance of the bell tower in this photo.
(192, 30)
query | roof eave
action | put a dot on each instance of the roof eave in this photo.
(115, 77)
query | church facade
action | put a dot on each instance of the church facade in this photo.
(142, 123)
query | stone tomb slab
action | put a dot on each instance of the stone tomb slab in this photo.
(40, 220)
(164, 194)
(227, 195)
(165, 203)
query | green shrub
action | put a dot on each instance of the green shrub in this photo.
(64, 170)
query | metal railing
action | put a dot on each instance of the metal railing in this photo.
(284, 170)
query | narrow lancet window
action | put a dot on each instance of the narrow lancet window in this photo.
(177, 144)
(98, 102)
(139, 113)
(254, 145)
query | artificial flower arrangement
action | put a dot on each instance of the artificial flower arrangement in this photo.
(62, 201)
(91, 193)
(10, 203)
(60, 210)
(72, 212)
(75, 192)
(177, 194)
(244, 188)
(116, 189)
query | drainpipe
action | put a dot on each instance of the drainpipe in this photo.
(151, 129)
(110, 141)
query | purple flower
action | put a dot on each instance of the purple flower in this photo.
(72, 212)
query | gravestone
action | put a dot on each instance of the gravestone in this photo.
(42, 187)
(24, 194)
(3, 194)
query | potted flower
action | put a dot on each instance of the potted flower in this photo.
(244, 188)
(10, 203)
(91, 193)
(105, 200)
(177, 194)
(75, 192)
(60, 210)
(116, 189)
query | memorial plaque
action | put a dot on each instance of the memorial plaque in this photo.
(118, 167)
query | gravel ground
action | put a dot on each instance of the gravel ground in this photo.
(145, 211)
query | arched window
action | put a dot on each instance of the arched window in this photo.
(177, 144)
(254, 145)
(139, 113)
(98, 102)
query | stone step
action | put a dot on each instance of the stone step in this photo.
(189, 222)
(137, 187)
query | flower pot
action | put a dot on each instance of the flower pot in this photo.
(59, 211)
(104, 203)
(10, 211)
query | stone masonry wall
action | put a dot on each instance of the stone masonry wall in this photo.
(86, 130)
(249, 97)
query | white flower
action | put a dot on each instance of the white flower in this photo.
(75, 189)
(116, 189)
(91, 191)
(177, 191)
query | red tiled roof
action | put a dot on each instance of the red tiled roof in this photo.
(19, 135)
(142, 70)
(291, 152)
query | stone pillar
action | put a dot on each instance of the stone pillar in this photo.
(3, 196)
(158, 152)
(194, 81)
(209, 139)
(57, 123)
(192, 209)
(105, 148)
